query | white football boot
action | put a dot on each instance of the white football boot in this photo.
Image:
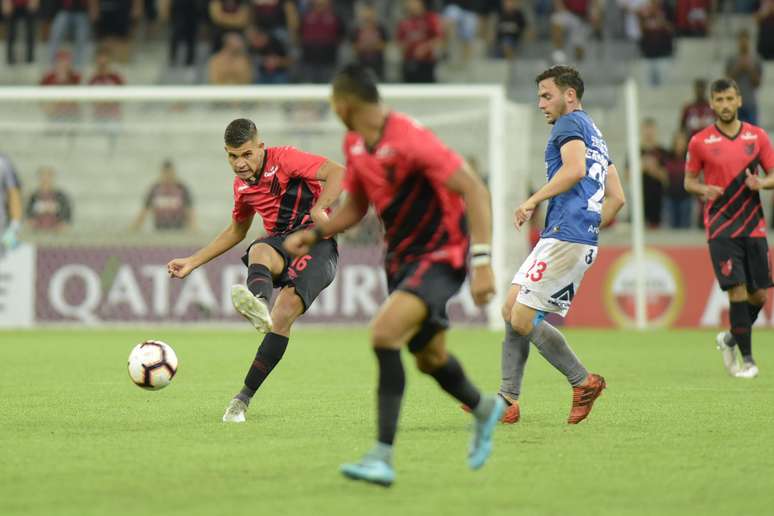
(254, 309)
(747, 371)
(235, 412)
(730, 360)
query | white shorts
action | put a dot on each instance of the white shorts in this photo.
(551, 274)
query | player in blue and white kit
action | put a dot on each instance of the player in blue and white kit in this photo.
(584, 193)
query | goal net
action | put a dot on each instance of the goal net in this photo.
(105, 149)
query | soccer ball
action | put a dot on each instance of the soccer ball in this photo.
(152, 364)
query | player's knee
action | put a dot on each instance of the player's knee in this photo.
(521, 325)
(758, 297)
(430, 359)
(382, 337)
(286, 310)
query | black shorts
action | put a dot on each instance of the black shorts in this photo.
(741, 261)
(433, 283)
(308, 274)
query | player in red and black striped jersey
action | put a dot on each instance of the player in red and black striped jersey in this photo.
(425, 195)
(289, 189)
(731, 155)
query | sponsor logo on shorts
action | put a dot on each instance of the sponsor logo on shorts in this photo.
(563, 298)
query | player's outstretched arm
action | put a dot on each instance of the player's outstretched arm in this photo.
(352, 209)
(614, 196)
(333, 174)
(479, 212)
(228, 238)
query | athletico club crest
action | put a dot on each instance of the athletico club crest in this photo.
(726, 266)
(749, 148)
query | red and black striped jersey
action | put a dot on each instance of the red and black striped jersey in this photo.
(403, 176)
(285, 189)
(725, 160)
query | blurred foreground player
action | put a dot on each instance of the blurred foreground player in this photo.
(730, 153)
(290, 189)
(10, 206)
(421, 191)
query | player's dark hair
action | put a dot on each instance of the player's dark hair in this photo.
(723, 84)
(239, 132)
(565, 77)
(356, 81)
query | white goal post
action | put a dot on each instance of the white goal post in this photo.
(476, 117)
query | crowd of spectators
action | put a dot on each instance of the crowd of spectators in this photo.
(304, 40)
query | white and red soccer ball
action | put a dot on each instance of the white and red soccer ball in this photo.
(152, 364)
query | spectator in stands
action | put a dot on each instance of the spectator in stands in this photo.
(183, 17)
(48, 208)
(692, 17)
(10, 205)
(63, 74)
(510, 26)
(631, 12)
(72, 17)
(169, 201)
(114, 22)
(573, 21)
(698, 114)
(654, 175)
(765, 19)
(227, 16)
(461, 25)
(17, 12)
(746, 69)
(369, 38)
(279, 18)
(678, 201)
(656, 40)
(269, 56)
(420, 36)
(104, 75)
(231, 65)
(320, 34)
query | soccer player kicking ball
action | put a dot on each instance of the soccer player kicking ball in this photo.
(730, 153)
(290, 189)
(422, 192)
(584, 193)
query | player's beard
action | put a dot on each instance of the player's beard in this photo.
(561, 108)
(728, 117)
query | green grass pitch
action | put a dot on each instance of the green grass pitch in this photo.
(671, 435)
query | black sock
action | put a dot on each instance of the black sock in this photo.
(452, 379)
(259, 281)
(754, 311)
(269, 354)
(739, 314)
(392, 381)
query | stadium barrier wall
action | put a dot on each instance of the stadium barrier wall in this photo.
(681, 291)
(98, 285)
(102, 285)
